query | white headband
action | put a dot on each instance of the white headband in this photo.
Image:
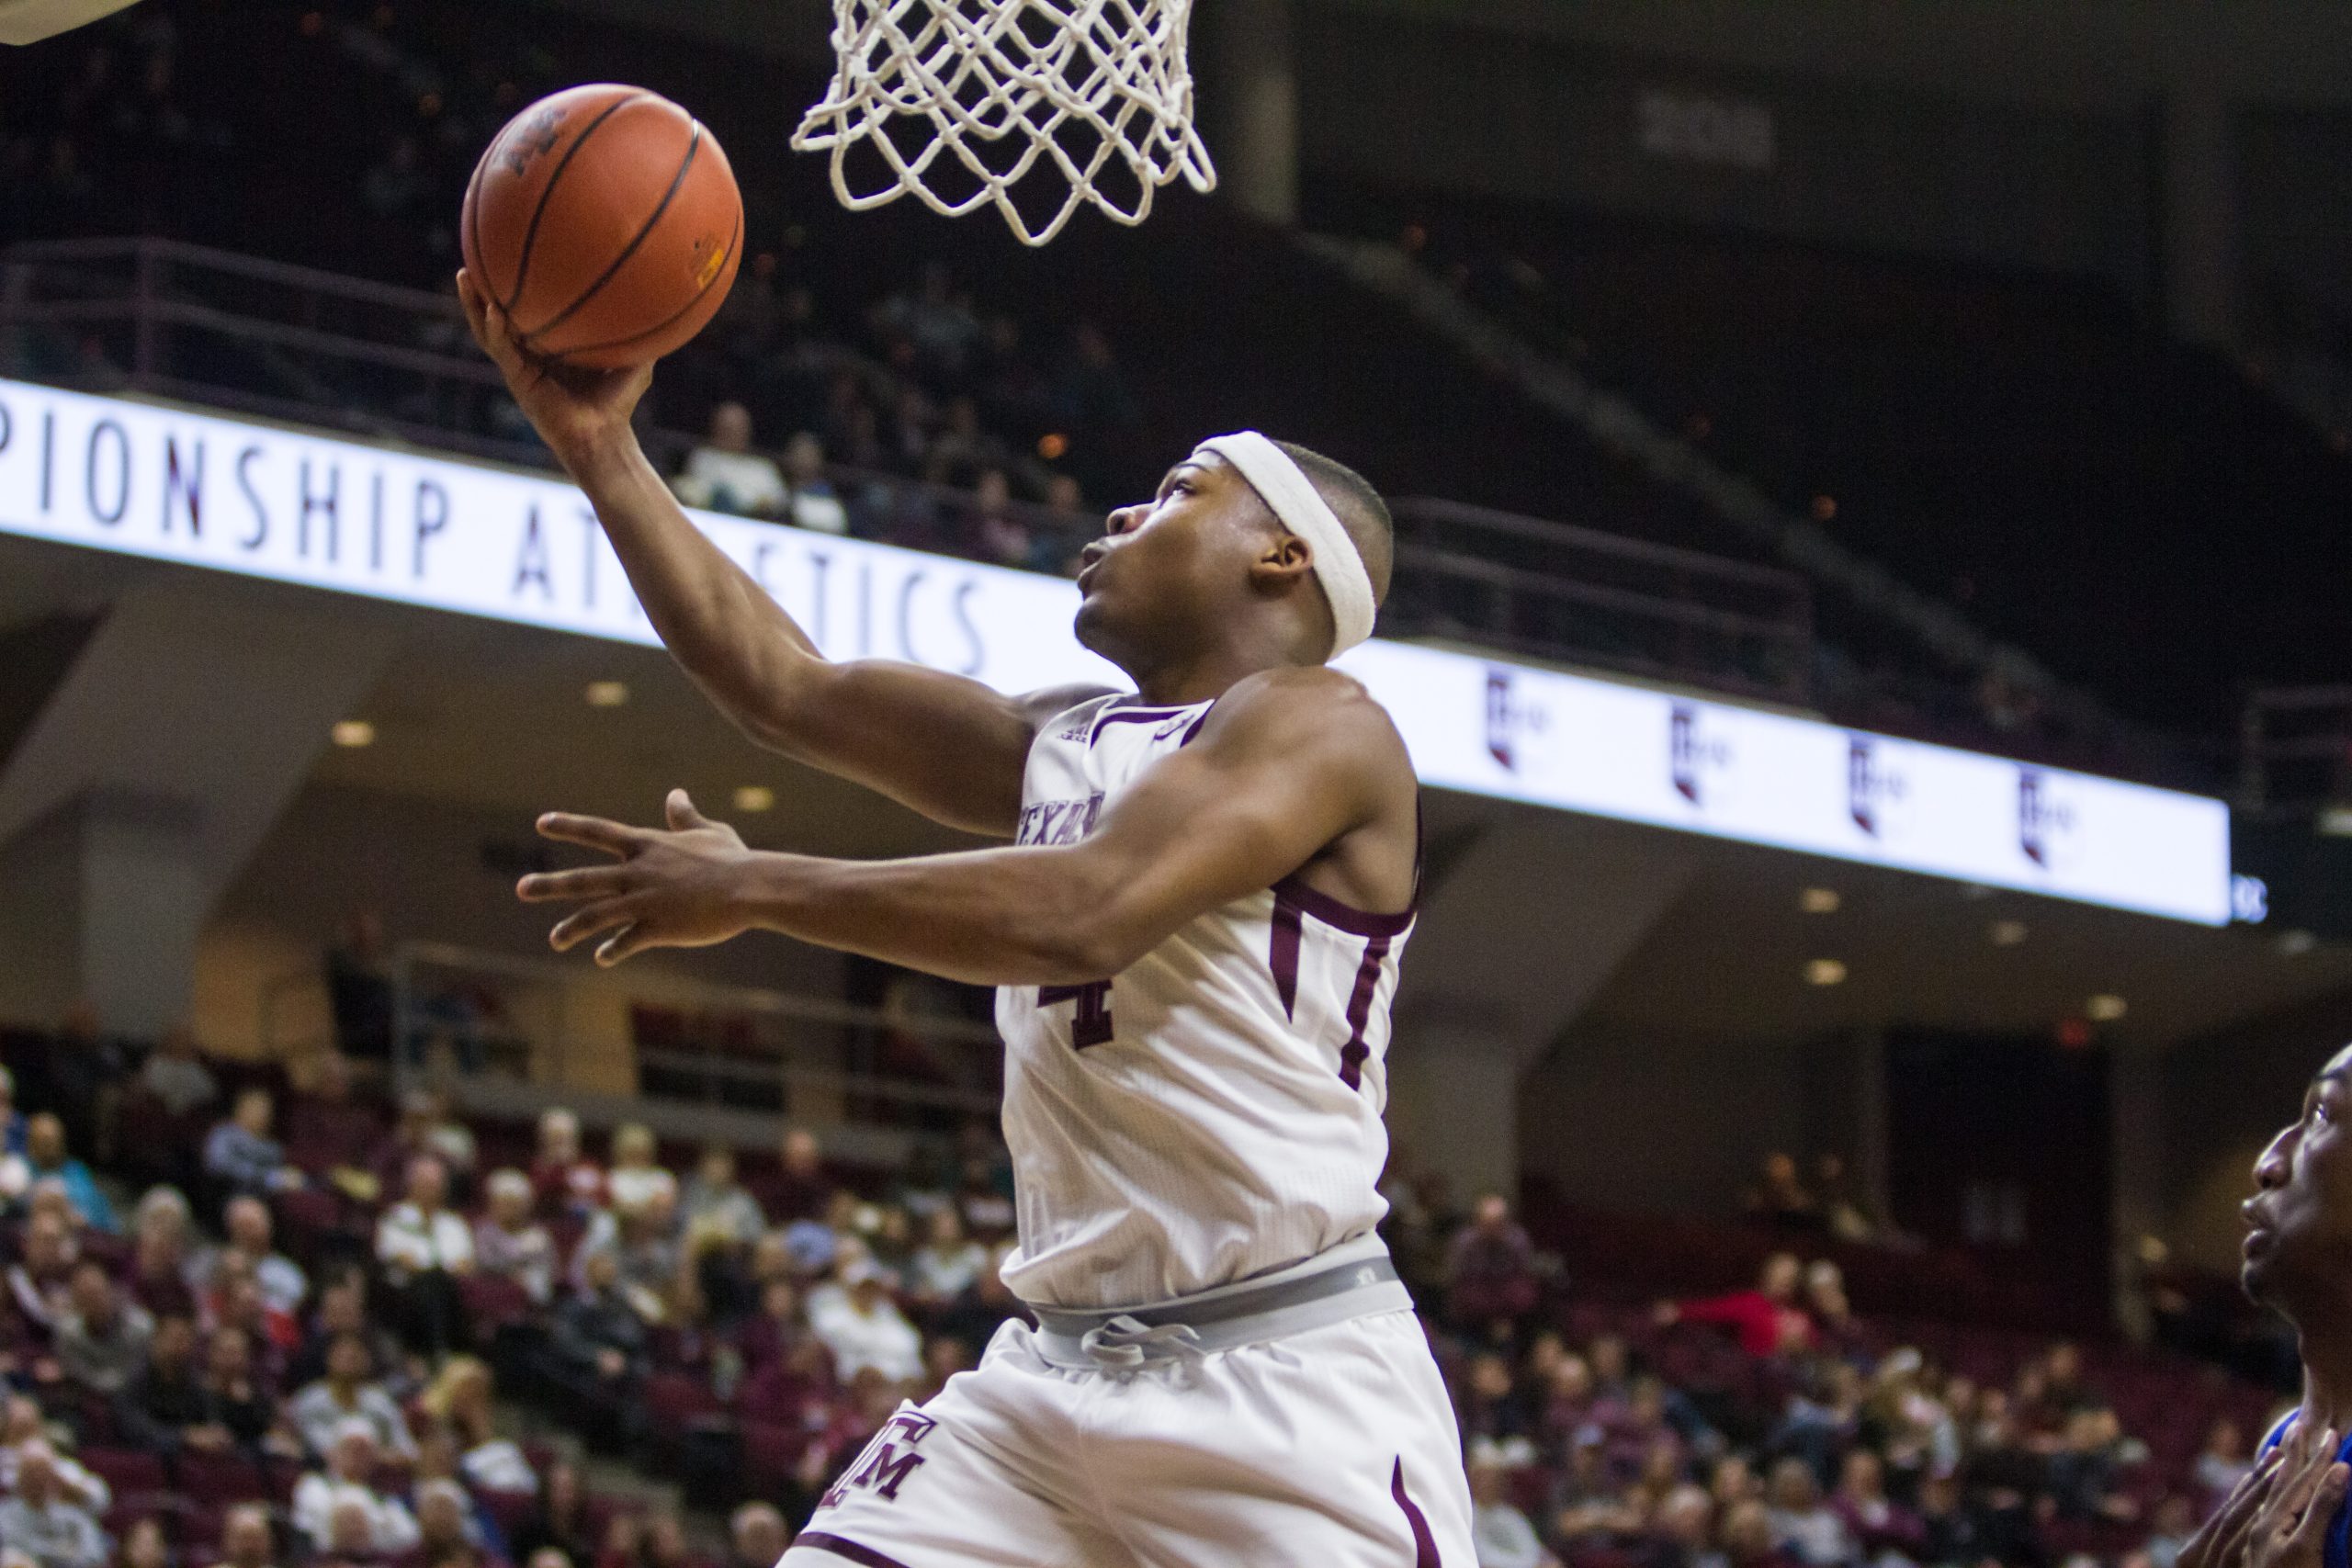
(1300, 507)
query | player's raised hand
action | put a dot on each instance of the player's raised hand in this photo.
(675, 887)
(570, 408)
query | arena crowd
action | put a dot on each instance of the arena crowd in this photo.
(256, 1320)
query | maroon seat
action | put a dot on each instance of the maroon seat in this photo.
(771, 1454)
(217, 1478)
(513, 1511)
(494, 1301)
(676, 1401)
(128, 1472)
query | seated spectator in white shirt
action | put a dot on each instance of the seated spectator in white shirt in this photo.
(22, 1429)
(348, 1392)
(815, 503)
(724, 474)
(634, 1177)
(424, 1248)
(42, 1524)
(333, 1505)
(509, 1241)
(863, 1326)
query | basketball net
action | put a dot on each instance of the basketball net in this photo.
(961, 98)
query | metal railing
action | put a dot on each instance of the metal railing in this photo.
(2295, 751)
(467, 1013)
(167, 319)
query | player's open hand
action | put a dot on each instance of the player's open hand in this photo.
(678, 887)
(2278, 1516)
(570, 408)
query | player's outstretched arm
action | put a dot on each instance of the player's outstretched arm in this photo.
(950, 748)
(1290, 764)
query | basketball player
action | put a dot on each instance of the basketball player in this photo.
(2289, 1513)
(1195, 936)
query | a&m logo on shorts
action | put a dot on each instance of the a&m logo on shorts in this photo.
(885, 1465)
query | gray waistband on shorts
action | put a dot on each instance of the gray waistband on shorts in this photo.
(1302, 1299)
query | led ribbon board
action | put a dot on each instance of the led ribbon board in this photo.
(233, 495)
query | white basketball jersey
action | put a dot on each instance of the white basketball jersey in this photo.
(1211, 1112)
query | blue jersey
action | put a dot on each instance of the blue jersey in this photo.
(2339, 1530)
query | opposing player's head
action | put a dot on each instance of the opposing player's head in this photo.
(2299, 1222)
(1264, 547)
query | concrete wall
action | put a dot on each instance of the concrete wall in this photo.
(1457, 108)
(1625, 1118)
(437, 873)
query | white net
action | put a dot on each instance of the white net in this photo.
(956, 100)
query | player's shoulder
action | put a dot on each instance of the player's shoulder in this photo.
(1040, 709)
(1304, 706)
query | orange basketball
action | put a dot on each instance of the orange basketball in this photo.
(605, 223)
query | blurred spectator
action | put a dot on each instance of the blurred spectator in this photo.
(348, 1393)
(337, 1507)
(1766, 1318)
(2220, 1464)
(23, 1429)
(360, 989)
(813, 502)
(425, 1249)
(948, 1263)
(1842, 1213)
(2175, 1522)
(568, 1184)
(1801, 1524)
(444, 1136)
(1780, 1199)
(145, 1546)
(1881, 1528)
(176, 1075)
(724, 474)
(756, 1537)
(462, 1399)
(596, 1350)
(445, 1525)
(101, 1339)
(1490, 1267)
(342, 1309)
(1683, 1529)
(1500, 1533)
(633, 1175)
(12, 1120)
(803, 1190)
(242, 1156)
(37, 1281)
(40, 1521)
(863, 1327)
(250, 1243)
(166, 1402)
(157, 1278)
(241, 1405)
(246, 1539)
(560, 1524)
(509, 1241)
(45, 1152)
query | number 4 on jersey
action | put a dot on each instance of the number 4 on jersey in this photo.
(1091, 1024)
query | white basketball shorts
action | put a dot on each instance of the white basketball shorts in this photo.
(1335, 1447)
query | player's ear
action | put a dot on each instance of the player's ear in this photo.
(1283, 557)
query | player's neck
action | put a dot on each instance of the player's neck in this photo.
(1206, 675)
(2327, 1377)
